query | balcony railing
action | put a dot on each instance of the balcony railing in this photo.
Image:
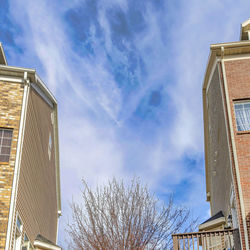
(210, 240)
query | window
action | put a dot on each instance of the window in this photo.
(18, 234)
(26, 243)
(5, 144)
(242, 114)
(50, 145)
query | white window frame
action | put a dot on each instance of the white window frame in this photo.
(27, 243)
(245, 117)
(18, 239)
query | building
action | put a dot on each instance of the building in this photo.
(29, 161)
(226, 106)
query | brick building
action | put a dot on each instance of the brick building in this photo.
(226, 108)
(226, 105)
(29, 161)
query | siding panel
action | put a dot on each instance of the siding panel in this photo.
(36, 197)
(219, 154)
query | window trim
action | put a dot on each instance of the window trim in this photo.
(240, 101)
(26, 243)
(20, 231)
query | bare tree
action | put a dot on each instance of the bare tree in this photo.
(119, 216)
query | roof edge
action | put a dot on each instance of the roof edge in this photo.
(209, 70)
(211, 224)
(239, 44)
(47, 246)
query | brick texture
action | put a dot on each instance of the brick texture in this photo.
(10, 110)
(238, 81)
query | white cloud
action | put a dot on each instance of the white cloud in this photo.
(91, 103)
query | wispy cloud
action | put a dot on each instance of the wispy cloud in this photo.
(128, 77)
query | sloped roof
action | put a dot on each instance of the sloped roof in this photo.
(213, 222)
(216, 216)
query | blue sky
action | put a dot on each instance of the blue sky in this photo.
(127, 76)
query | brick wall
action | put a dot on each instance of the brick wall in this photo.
(10, 110)
(238, 80)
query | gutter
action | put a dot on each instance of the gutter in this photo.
(239, 44)
(58, 192)
(17, 69)
(207, 79)
(46, 246)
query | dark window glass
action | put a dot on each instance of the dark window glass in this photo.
(5, 144)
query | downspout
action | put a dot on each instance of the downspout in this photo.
(26, 83)
(56, 142)
(242, 208)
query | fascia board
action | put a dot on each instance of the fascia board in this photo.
(57, 159)
(17, 69)
(230, 45)
(213, 223)
(245, 23)
(205, 123)
(234, 48)
(209, 68)
(45, 89)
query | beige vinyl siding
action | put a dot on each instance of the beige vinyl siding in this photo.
(218, 150)
(36, 197)
(219, 155)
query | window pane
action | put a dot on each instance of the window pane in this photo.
(5, 144)
(5, 151)
(7, 133)
(18, 223)
(242, 114)
(247, 105)
(4, 158)
(237, 106)
(25, 238)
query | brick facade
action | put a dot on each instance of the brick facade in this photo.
(11, 95)
(238, 81)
